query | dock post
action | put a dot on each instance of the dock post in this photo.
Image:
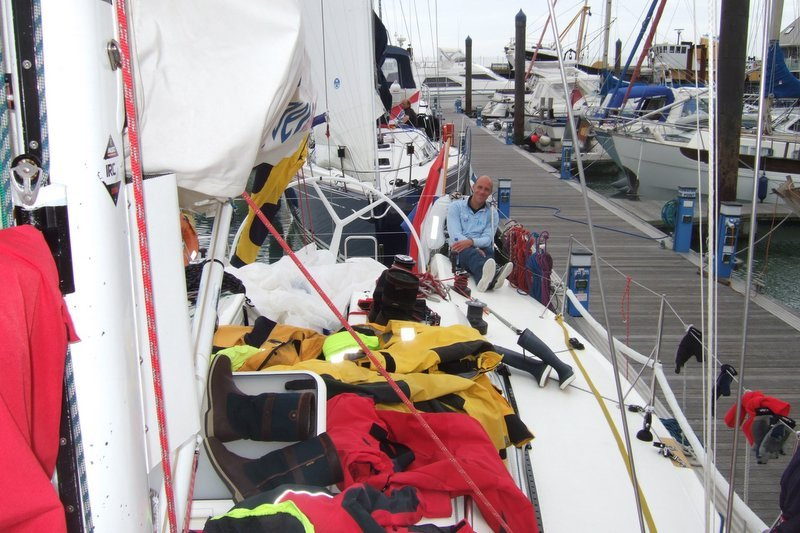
(519, 77)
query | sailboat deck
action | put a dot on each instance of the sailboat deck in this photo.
(637, 268)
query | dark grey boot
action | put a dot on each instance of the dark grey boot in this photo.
(538, 369)
(309, 462)
(529, 341)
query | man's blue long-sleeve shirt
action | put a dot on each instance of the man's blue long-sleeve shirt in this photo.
(464, 223)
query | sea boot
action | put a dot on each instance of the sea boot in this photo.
(234, 415)
(395, 296)
(537, 347)
(310, 462)
(538, 369)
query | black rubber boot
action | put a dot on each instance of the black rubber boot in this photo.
(234, 415)
(310, 462)
(395, 296)
(538, 369)
(529, 341)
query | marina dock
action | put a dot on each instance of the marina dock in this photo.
(637, 266)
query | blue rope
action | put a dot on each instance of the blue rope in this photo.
(557, 210)
(6, 216)
(39, 55)
(75, 422)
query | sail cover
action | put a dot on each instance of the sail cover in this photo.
(780, 82)
(221, 86)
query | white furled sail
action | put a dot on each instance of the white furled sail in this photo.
(209, 76)
(339, 36)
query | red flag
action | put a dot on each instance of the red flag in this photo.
(396, 109)
(426, 199)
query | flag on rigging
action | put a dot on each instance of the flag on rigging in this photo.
(429, 194)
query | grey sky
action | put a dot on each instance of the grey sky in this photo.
(491, 24)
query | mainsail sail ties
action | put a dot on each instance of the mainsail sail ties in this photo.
(426, 427)
(138, 191)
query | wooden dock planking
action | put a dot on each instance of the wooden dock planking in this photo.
(634, 250)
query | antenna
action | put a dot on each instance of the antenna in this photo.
(679, 30)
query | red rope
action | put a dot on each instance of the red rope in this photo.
(381, 370)
(138, 190)
(519, 251)
(188, 515)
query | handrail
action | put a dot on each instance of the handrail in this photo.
(340, 223)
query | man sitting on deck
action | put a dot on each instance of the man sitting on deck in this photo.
(471, 224)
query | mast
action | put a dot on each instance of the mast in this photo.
(584, 10)
(606, 34)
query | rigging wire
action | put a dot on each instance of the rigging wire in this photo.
(757, 162)
(641, 509)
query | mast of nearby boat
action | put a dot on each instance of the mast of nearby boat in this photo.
(777, 7)
(597, 265)
(581, 29)
(732, 53)
(606, 34)
(645, 23)
(645, 51)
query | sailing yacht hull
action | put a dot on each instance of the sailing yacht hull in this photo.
(377, 232)
(663, 165)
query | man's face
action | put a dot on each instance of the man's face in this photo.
(481, 190)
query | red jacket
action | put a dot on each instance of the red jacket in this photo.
(35, 327)
(366, 440)
(750, 402)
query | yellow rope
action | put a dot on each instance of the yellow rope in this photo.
(620, 444)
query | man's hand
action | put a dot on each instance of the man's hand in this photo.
(460, 246)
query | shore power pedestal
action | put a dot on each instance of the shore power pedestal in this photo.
(509, 131)
(566, 159)
(580, 264)
(684, 218)
(730, 218)
(504, 197)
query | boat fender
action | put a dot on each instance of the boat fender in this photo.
(191, 245)
(433, 226)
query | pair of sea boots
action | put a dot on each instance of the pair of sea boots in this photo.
(771, 434)
(285, 417)
(546, 360)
